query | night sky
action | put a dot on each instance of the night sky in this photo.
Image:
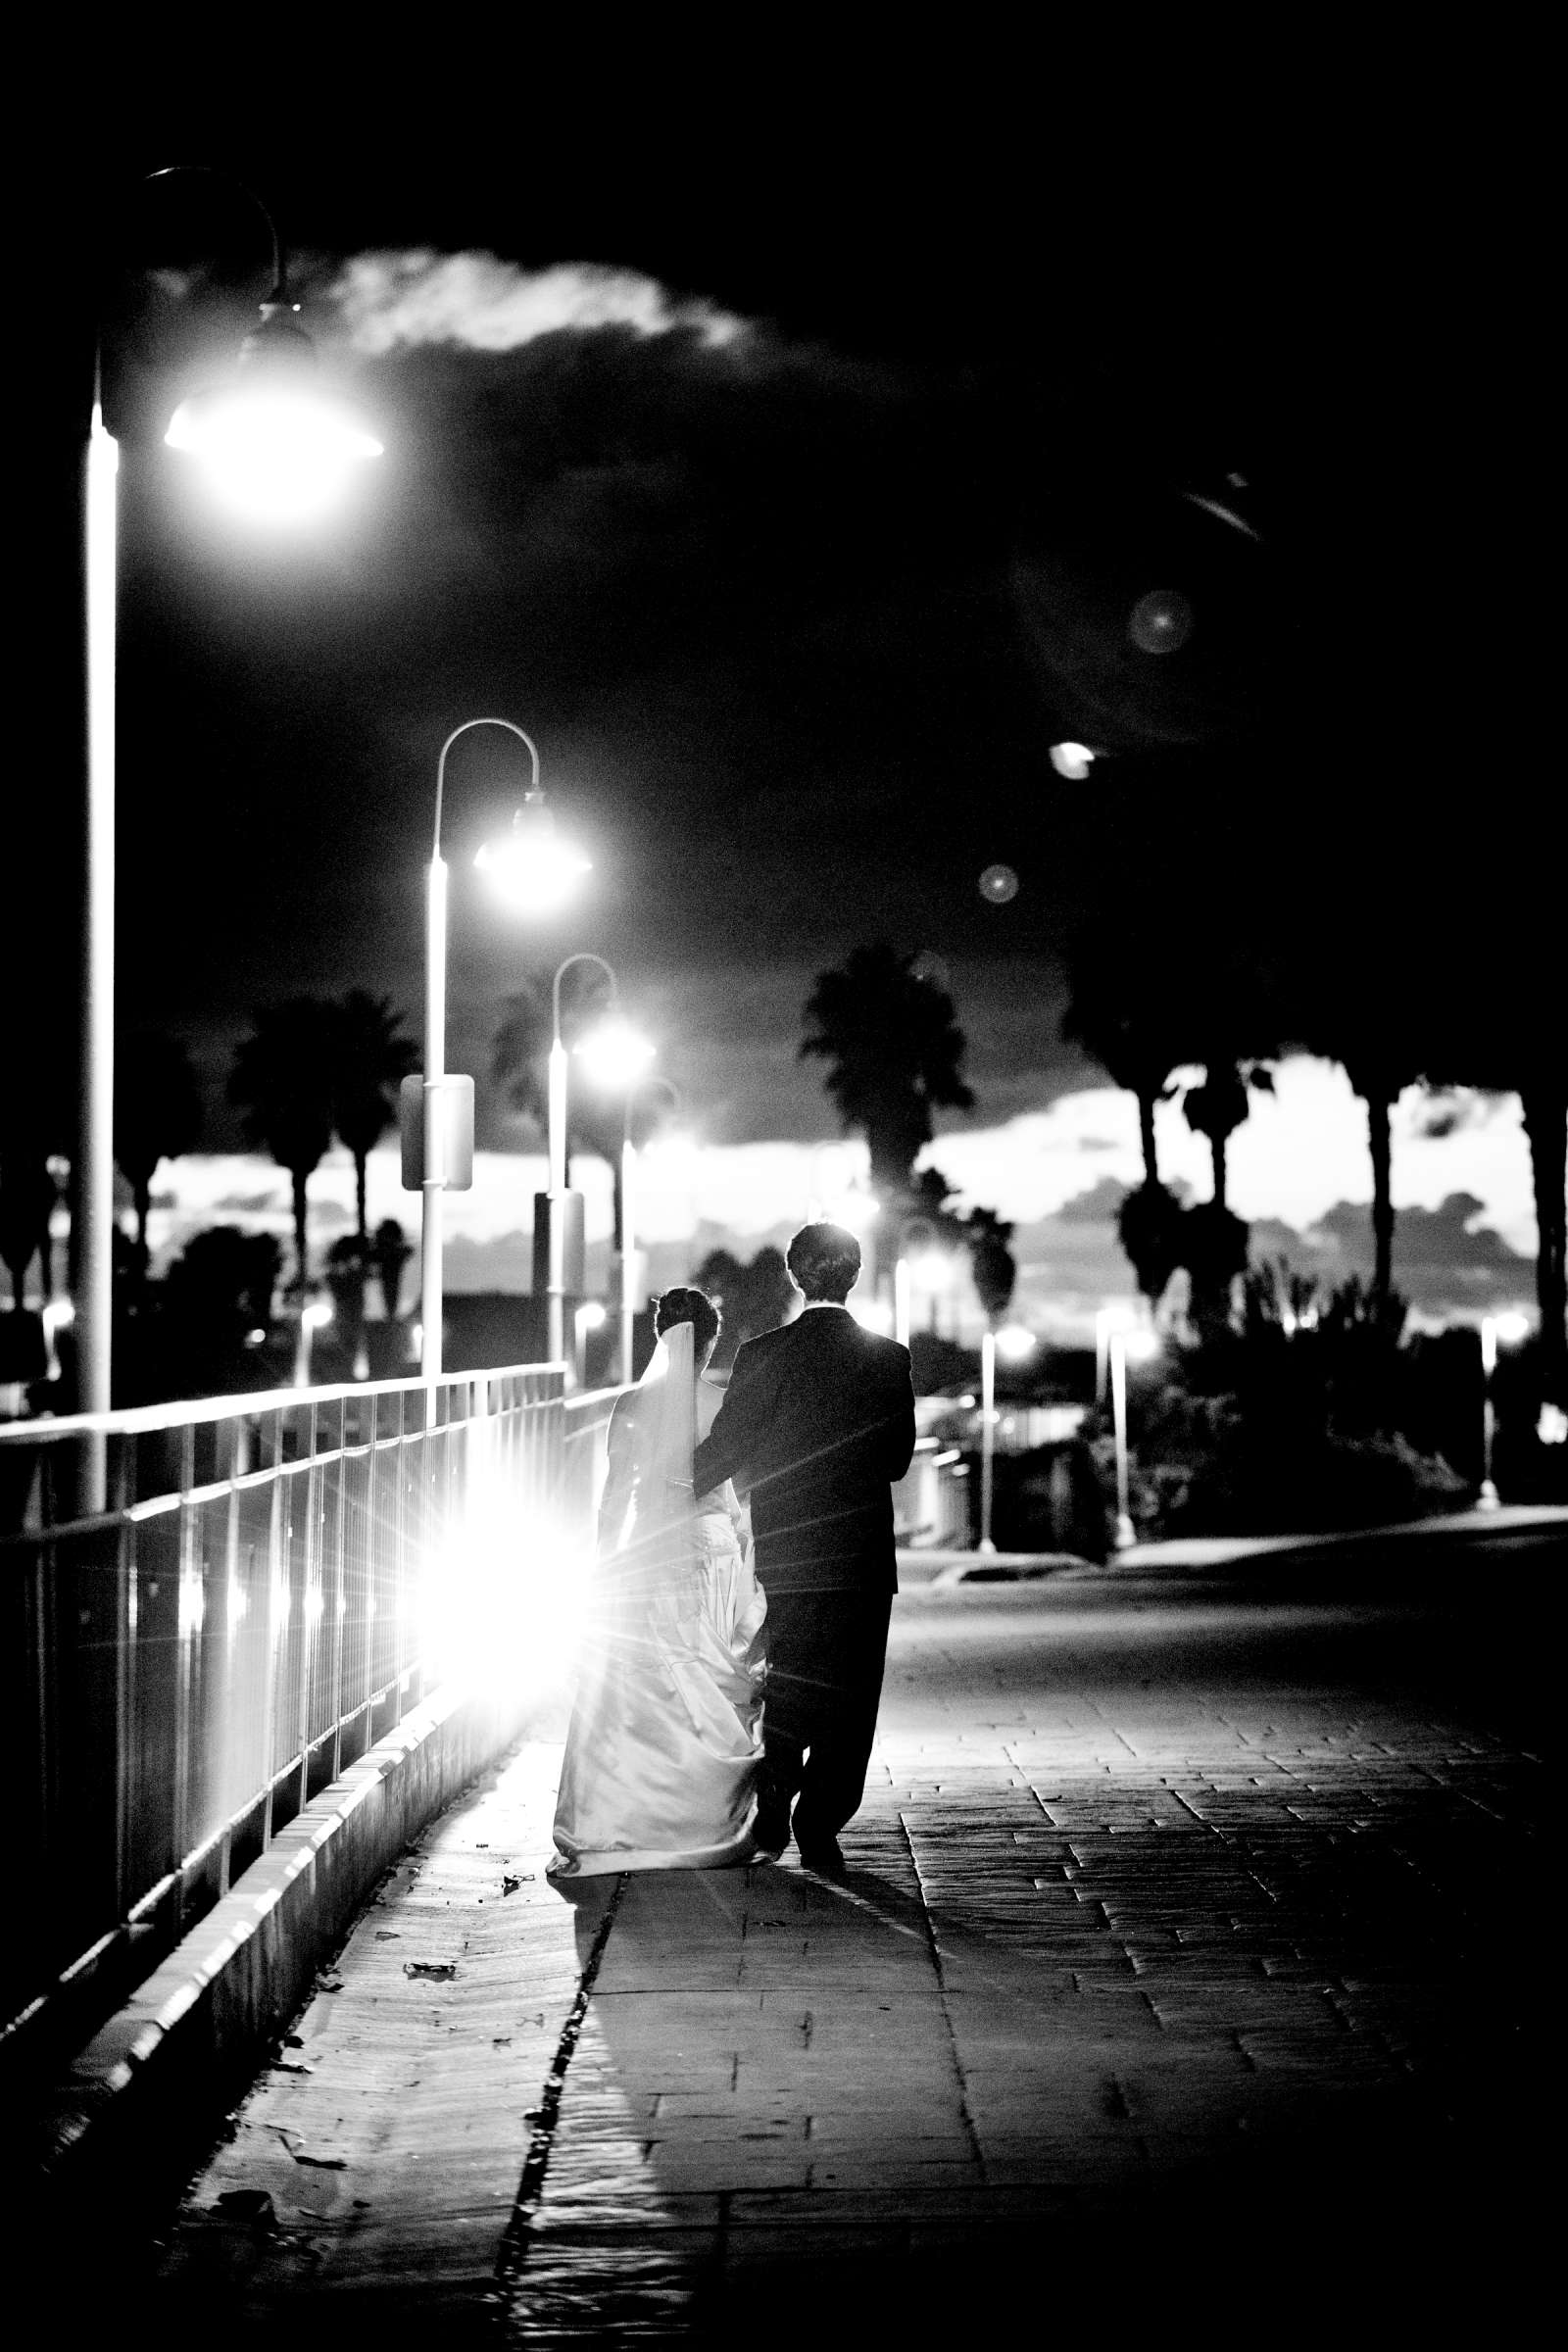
(795, 595)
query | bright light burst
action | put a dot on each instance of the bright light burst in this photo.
(276, 455)
(501, 1602)
(612, 1054)
(534, 869)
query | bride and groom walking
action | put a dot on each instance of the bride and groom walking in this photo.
(733, 1673)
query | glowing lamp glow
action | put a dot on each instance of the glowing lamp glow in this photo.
(1014, 1343)
(1506, 1330)
(533, 868)
(614, 1054)
(1073, 759)
(592, 1316)
(858, 1211)
(317, 1314)
(277, 447)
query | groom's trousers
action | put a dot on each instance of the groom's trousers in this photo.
(825, 1655)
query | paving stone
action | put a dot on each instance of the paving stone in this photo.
(1135, 1936)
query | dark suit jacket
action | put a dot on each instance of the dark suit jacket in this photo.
(818, 1423)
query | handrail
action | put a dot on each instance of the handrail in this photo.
(262, 1600)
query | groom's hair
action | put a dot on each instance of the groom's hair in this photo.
(824, 1262)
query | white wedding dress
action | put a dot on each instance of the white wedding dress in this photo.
(663, 1750)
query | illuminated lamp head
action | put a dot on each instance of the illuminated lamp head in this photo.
(276, 446)
(533, 868)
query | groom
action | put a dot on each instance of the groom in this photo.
(818, 1423)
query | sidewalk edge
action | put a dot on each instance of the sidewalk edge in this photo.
(151, 2089)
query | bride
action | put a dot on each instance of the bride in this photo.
(661, 1756)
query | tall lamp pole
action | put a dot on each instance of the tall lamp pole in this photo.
(559, 1211)
(268, 423)
(628, 1219)
(1125, 1533)
(988, 1431)
(538, 867)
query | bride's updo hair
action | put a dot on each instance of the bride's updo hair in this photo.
(685, 1305)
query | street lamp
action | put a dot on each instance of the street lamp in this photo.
(535, 869)
(628, 1216)
(917, 1251)
(1014, 1345)
(276, 432)
(1123, 1339)
(617, 1056)
(1511, 1328)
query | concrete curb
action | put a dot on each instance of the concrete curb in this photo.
(145, 2097)
(942, 1569)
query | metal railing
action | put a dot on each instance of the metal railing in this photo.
(252, 1611)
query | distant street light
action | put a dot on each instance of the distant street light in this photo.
(446, 1127)
(845, 1202)
(615, 1055)
(988, 1432)
(315, 1316)
(1511, 1328)
(629, 1206)
(270, 421)
(1124, 1339)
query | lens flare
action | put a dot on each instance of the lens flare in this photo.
(501, 1601)
(1160, 622)
(998, 884)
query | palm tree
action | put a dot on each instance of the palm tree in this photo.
(282, 1080)
(372, 1058)
(158, 1116)
(894, 1052)
(1219, 1105)
(992, 1262)
(1120, 1011)
(1213, 1237)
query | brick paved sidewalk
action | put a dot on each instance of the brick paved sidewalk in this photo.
(1174, 1978)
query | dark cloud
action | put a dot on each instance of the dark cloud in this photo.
(1097, 1206)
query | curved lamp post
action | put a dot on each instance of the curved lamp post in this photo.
(222, 427)
(628, 1215)
(535, 869)
(559, 1209)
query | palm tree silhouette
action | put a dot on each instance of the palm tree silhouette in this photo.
(283, 1082)
(894, 1052)
(1120, 1011)
(370, 1057)
(158, 1116)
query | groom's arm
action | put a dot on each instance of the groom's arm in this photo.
(730, 1446)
